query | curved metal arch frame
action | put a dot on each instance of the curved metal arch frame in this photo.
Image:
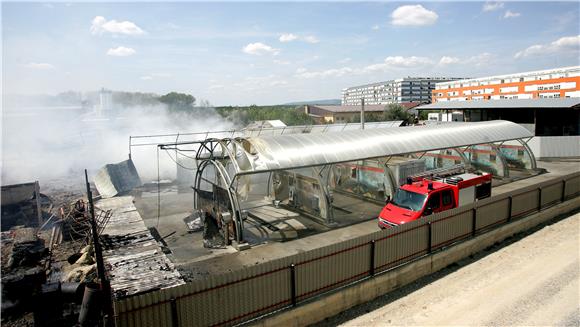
(530, 153)
(498, 153)
(226, 179)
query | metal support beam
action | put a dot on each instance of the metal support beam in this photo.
(105, 285)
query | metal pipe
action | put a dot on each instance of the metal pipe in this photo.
(91, 305)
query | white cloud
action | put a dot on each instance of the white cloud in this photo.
(155, 76)
(413, 15)
(390, 63)
(311, 39)
(121, 52)
(407, 61)
(334, 72)
(278, 83)
(288, 37)
(100, 25)
(39, 66)
(484, 58)
(563, 44)
(397, 62)
(481, 59)
(344, 61)
(446, 60)
(492, 5)
(567, 42)
(375, 27)
(281, 62)
(259, 49)
(511, 14)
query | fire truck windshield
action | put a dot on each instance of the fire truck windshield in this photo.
(409, 200)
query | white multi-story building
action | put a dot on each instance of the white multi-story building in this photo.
(408, 89)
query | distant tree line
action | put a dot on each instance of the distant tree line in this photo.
(242, 116)
(184, 103)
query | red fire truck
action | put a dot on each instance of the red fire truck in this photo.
(434, 192)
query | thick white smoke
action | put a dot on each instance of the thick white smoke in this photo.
(53, 145)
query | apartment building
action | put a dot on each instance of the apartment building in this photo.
(552, 83)
(409, 89)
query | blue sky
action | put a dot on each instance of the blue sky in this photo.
(269, 53)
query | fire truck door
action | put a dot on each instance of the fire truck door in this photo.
(434, 203)
(447, 200)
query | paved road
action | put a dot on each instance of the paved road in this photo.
(532, 281)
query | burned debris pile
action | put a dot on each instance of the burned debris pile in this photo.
(23, 261)
(75, 224)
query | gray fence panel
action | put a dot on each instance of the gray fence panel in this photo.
(551, 194)
(491, 213)
(332, 267)
(456, 225)
(572, 186)
(404, 243)
(233, 302)
(524, 203)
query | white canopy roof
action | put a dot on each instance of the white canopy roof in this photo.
(282, 152)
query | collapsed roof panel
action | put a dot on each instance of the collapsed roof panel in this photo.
(117, 178)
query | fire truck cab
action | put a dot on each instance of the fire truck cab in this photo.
(423, 196)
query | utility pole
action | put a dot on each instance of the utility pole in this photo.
(362, 113)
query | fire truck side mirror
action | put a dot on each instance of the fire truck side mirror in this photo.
(428, 211)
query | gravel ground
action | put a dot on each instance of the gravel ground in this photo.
(530, 279)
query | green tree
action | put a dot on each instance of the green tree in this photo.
(242, 116)
(178, 101)
(395, 111)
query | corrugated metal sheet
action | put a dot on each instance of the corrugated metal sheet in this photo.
(117, 178)
(401, 244)
(135, 262)
(551, 193)
(491, 212)
(573, 186)
(524, 203)
(303, 150)
(331, 267)
(449, 227)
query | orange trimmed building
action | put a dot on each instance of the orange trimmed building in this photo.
(552, 83)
